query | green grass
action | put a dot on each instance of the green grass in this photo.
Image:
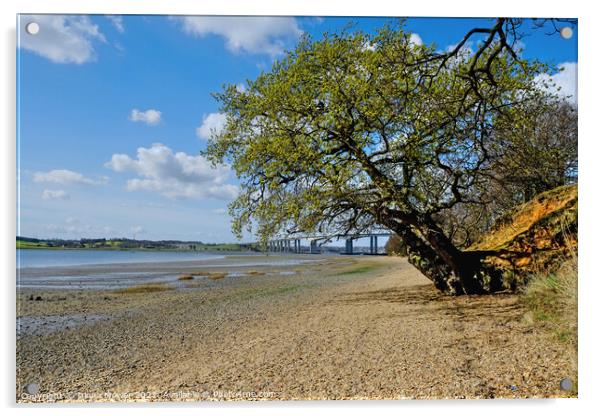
(262, 292)
(281, 290)
(29, 244)
(119, 245)
(551, 299)
(366, 268)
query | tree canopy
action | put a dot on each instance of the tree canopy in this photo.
(356, 130)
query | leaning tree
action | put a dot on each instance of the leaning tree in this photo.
(357, 130)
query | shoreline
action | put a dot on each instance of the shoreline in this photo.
(142, 272)
(134, 249)
(343, 328)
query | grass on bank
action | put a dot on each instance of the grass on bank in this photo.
(551, 299)
(145, 288)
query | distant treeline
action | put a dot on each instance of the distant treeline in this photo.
(126, 243)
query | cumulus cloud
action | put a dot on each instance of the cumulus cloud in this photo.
(174, 175)
(563, 83)
(251, 34)
(62, 39)
(212, 123)
(137, 230)
(50, 194)
(66, 177)
(415, 39)
(151, 116)
(117, 22)
(73, 228)
(466, 49)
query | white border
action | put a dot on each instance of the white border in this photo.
(590, 158)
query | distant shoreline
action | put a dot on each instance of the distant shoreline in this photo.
(125, 244)
(131, 249)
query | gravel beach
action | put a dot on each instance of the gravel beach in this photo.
(338, 327)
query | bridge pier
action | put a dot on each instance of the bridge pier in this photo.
(373, 244)
(349, 246)
(313, 247)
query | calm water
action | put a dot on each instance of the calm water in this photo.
(79, 269)
(46, 258)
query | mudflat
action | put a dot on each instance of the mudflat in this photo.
(336, 328)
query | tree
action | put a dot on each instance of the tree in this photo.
(395, 246)
(530, 156)
(358, 130)
(539, 155)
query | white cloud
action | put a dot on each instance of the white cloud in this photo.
(117, 22)
(415, 39)
(468, 48)
(151, 116)
(137, 229)
(219, 211)
(465, 50)
(62, 39)
(174, 175)
(212, 123)
(50, 194)
(519, 46)
(66, 177)
(251, 34)
(563, 83)
(73, 228)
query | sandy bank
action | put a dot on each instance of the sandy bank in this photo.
(344, 328)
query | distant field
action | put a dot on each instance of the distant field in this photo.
(28, 244)
(120, 245)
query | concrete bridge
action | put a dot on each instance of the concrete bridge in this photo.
(293, 244)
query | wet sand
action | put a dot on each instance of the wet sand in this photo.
(336, 328)
(113, 276)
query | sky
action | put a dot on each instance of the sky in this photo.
(113, 111)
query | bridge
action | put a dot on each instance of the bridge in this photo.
(293, 244)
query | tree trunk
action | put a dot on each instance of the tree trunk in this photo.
(539, 234)
(451, 270)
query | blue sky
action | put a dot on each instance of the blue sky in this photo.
(113, 112)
